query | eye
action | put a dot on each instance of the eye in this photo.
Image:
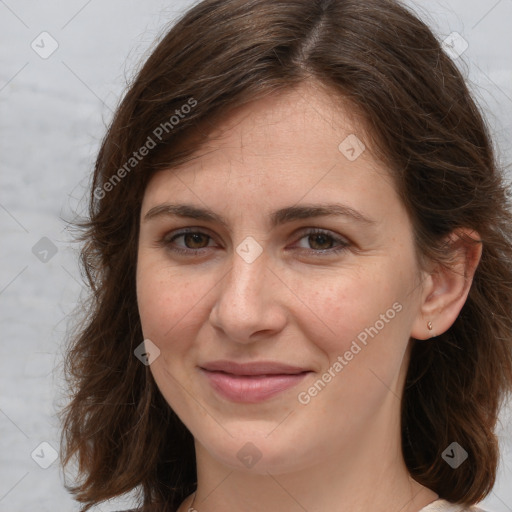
(323, 242)
(195, 242)
(192, 242)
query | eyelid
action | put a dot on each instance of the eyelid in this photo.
(172, 235)
(343, 242)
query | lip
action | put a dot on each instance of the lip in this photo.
(255, 368)
(251, 382)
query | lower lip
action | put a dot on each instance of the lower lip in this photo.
(251, 388)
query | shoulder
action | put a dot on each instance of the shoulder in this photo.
(145, 509)
(441, 505)
(150, 508)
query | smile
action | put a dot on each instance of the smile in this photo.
(253, 382)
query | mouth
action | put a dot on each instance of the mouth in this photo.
(251, 382)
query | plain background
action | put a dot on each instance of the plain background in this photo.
(53, 114)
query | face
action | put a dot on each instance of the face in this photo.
(277, 276)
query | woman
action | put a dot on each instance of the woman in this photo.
(299, 250)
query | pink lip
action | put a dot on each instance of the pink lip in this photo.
(251, 382)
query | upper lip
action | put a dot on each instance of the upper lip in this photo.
(255, 368)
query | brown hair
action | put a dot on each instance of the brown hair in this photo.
(222, 54)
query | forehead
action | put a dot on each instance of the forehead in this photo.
(283, 147)
(290, 122)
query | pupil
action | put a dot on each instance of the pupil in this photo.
(323, 240)
(196, 239)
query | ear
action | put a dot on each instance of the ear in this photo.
(446, 287)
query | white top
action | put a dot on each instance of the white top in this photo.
(436, 506)
(446, 506)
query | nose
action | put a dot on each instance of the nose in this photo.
(248, 305)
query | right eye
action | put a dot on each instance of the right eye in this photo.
(193, 242)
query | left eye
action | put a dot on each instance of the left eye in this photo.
(321, 241)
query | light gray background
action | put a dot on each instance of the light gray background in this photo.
(52, 116)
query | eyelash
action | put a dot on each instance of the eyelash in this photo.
(167, 242)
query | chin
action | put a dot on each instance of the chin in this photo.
(257, 453)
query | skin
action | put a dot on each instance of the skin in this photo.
(292, 304)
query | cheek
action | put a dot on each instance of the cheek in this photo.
(173, 306)
(349, 305)
(330, 309)
(361, 327)
(164, 298)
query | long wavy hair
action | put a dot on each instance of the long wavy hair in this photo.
(222, 54)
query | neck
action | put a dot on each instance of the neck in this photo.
(369, 475)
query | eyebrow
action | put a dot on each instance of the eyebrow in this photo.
(277, 217)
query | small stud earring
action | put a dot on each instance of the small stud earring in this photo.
(429, 326)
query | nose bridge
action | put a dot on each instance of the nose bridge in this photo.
(245, 283)
(246, 302)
